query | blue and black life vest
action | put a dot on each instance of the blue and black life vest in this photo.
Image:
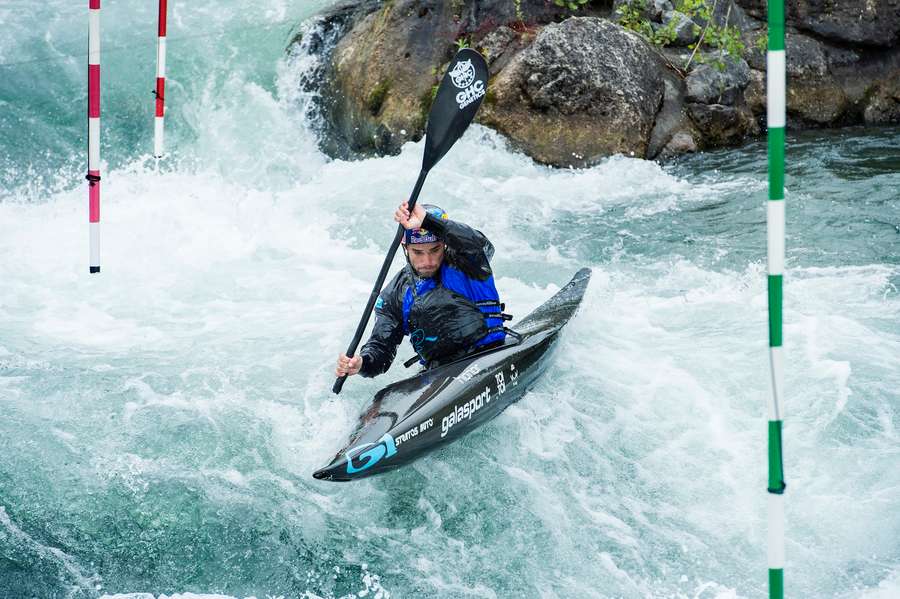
(449, 315)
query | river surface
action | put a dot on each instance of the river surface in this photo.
(159, 422)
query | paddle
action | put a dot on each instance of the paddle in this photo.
(458, 97)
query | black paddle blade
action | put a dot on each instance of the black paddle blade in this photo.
(460, 94)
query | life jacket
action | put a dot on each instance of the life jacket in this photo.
(449, 315)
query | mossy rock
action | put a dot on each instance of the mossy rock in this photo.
(377, 96)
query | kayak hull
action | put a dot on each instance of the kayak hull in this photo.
(412, 417)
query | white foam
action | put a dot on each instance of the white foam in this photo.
(203, 355)
(888, 588)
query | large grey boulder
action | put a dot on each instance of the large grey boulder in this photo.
(584, 89)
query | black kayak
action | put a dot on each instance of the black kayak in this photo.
(412, 417)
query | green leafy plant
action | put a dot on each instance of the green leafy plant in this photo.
(631, 17)
(724, 38)
(665, 35)
(727, 39)
(762, 42)
(698, 10)
(572, 5)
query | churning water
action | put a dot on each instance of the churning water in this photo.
(159, 422)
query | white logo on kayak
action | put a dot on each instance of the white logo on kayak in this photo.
(414, 432)
(465, 411)
(466, 375)
(463, 74)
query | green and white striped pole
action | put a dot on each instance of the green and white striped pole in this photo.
(775, 120)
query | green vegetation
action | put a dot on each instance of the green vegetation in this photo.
(724, 38)
(519, 15)
(571, 4)
(762, 42)
(425, 102)
(456, 7)
(631, 17)
(377, 96)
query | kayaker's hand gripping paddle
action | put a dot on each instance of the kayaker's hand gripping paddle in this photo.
(457, 100)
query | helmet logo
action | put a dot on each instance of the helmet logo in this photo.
(423, 235)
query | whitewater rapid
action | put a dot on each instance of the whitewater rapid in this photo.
(161, 420)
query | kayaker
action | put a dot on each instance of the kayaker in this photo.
(444, 299)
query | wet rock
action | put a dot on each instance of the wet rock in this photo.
(673, 128)
(500, 45)
(883, 106)
(755, 93)
(584, 89)
(681, 143)
(870, 22)
(720, 81)
(722, 125)
(813, 95)
(861, 73)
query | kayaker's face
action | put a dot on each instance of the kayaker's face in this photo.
(426, 258)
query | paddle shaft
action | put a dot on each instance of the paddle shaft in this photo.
(379, 282)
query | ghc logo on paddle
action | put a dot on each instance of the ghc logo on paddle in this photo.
(463, 74)
(463, 77)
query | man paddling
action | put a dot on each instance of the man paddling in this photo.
(444, 299)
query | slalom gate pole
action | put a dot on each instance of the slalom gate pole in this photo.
(775, 227)
(160, 82)
(93, 174)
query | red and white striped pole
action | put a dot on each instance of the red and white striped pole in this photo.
(160, 82)
(93, 174)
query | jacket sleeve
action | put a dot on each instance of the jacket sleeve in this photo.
(379, 351)
(467, 248)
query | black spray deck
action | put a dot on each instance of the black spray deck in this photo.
(410, 418)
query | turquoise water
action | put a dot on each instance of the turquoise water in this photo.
(161, 420)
